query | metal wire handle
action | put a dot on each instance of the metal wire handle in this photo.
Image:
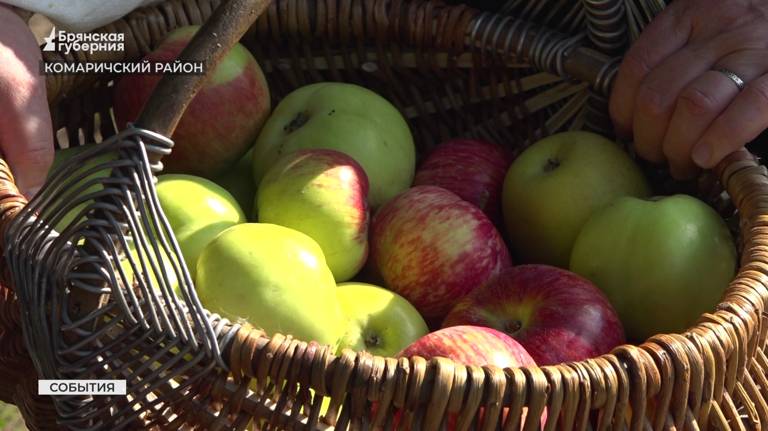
(97, 297)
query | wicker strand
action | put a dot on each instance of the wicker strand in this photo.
(606, 25)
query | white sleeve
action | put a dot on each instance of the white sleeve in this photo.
(80, 15)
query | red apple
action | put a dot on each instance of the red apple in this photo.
(471, 345)
(472, 169)
(221, 122)
(555, 314)
(432, 247)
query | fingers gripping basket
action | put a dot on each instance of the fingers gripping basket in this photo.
(452, 71)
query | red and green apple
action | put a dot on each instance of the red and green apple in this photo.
(346, 118)
(220, 123)
(555, 314)
(477, 346)
(472, 169)
(471, 345)
(322, 193)
(432, 247)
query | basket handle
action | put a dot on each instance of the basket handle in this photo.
(218, 34)
(166, 105)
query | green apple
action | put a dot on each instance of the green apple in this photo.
(274, 277)
(197, 210)
(346, 118)
(380, 321)
(323, 194)
(662, 262)
(65, 154)
(554, 186)
(238, 181)
(155, 272)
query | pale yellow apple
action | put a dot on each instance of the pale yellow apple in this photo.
(274, 277)
(379, 321)
(197, 210)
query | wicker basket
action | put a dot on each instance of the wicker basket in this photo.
(452, 71)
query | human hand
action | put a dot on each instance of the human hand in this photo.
(26, 135)
(673, 93)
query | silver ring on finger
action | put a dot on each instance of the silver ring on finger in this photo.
(736, 79)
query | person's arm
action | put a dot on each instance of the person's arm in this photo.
(26, 135)
(694, 87)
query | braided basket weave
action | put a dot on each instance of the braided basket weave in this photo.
(541, 67)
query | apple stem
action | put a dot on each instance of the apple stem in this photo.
(512, 327)
(299, 120)
(551, 165)
(372, 341)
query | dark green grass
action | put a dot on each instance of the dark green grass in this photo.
(10, 419)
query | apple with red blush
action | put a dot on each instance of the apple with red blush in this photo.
(222, 121)
(473, 169)
(432, 247)
(556, 315)
(471, 345)
(324, 194)
(476, 346)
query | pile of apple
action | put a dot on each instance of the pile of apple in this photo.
(314, 220)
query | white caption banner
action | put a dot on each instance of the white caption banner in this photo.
(81, 387)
